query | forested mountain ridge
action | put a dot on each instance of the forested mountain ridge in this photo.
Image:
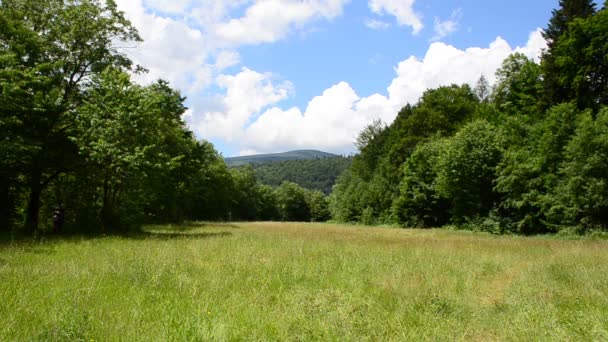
(313, 174)
(276, 157)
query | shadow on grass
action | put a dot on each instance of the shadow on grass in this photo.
(166, 233)
(172, 235)
(191, 226)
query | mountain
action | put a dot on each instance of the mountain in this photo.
(275, 157)
(313, 174)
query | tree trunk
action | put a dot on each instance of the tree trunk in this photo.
(106, 209)
(33, 206)
(7, 206)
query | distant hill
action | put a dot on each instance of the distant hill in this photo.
(276, 157)
(314, 174)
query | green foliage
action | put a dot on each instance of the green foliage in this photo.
(292, 203)
(49, 50)
(466, 170)
(527, 159)
(267, 203)
(519, 88)
(529, 171)
(278, 157)
(582, 193)
(244, 194)
(318, 205)
(368, 190)
(419, 204)
(314, 174)
(346, 201)
(581, 57)
(553, 67)
(78, 133)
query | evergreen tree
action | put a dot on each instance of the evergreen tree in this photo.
(556, 91)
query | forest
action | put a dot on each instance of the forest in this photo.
(527, 155)
(314, 174)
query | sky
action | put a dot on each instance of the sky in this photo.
(264, 76)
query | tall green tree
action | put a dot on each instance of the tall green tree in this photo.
(466, 170)
(518, 89)
(581, 57)
(582, 193)
(126, 131)
(50, 50)
(529, 171)
(292, 203)
(556, 91)
(419, 204)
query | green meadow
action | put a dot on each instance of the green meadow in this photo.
(290, 281)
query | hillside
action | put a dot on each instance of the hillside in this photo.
(275, 157)
(314, 174)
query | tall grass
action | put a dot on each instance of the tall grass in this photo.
(276, 281)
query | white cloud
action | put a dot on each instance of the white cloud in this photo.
(188, 42)
(226, 59)
(172, 49)
(169, 6)
(267, 21)
(247, 93)
(183, 44)
(376, 24)
(402, 10)
(447, 27)
(332, 120)
(444, 64)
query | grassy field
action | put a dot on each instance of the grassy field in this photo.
(275, 281)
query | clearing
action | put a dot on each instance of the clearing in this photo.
(296, 281)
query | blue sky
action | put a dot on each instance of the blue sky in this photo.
(275, 75)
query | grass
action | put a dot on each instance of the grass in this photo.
(276, 281)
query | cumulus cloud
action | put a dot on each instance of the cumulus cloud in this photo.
(332, 120)
(376, 24)
(189, 42)
(185, 43)
(247, 93)
(267, 21)
(402, 10)
(172, 49)
(446, 27)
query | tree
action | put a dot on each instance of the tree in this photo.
(50, 49)
(518, 89)
(555, 90)
(315, 174)
(482, 88)
(419, 204)
(122, 129)
(291, 202)
(568, 11)
(267, 204)
(319, 207)
(367, 190)
(244, 194)
(466, 170)
(581, 60)
(582, 194)
(529, 171)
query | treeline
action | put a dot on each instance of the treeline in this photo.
(79, 135)
(314, 174)
(81, 138)
(529, 155)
